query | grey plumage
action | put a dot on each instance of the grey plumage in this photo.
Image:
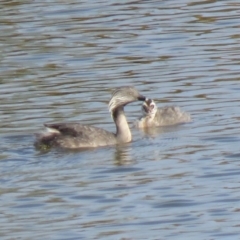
(165, 116)
(76, 135)
(121, 96)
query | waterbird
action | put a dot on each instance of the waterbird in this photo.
(165, 116)
(77, 135)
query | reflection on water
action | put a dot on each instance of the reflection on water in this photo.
(59, 62)
(157, 131)
(122, 155)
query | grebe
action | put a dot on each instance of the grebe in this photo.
(76, 135)
(156, 117)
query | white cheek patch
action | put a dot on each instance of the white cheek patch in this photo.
(52, 130)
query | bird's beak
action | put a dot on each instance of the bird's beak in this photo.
(141, 98)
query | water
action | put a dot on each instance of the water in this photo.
(59, 61)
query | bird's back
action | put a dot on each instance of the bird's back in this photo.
(75, 135)
(171, 115)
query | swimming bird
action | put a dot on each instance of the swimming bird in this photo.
(165, 116)
(77, 136)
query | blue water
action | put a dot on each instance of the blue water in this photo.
(59, 62)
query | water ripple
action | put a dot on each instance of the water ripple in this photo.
(59, 62)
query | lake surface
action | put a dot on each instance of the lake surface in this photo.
(59, 62)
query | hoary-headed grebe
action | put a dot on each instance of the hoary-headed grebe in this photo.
(77, 136)
(156, 117)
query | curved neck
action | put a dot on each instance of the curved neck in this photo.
(123, 132)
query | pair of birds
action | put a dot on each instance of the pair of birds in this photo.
(77, 136)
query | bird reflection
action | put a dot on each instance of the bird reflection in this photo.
(122, 155)
(156, 131)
